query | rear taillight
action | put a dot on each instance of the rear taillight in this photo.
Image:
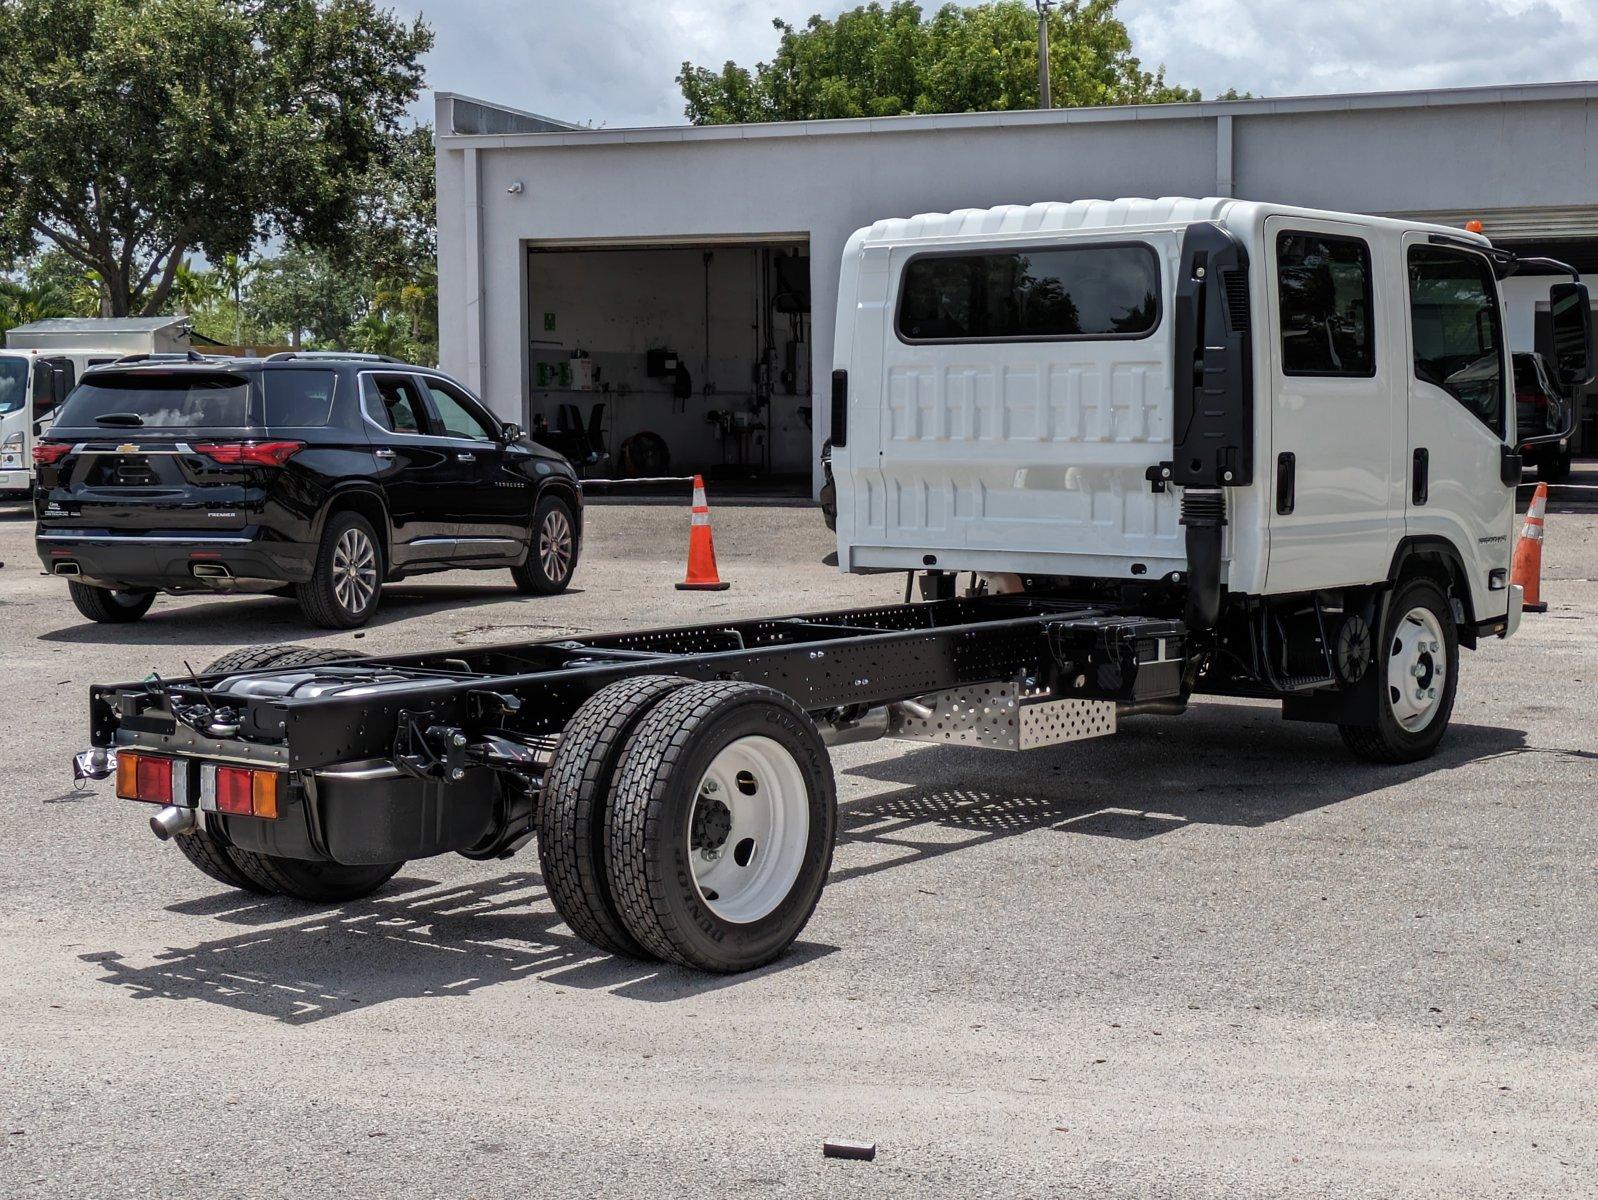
(239, 791)
(46, 453)
(147, 777)
(251, 454)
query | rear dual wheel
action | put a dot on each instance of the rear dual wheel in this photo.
(705, 837)
(270, 874)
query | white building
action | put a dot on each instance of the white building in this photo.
(662, 273)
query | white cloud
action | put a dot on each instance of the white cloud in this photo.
(614, 62)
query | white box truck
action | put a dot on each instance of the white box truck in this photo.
(43, 361)
(1135, 451)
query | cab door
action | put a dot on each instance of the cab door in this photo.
(1460, 414)
(1337, 408)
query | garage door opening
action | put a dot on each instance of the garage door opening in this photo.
(674, 360)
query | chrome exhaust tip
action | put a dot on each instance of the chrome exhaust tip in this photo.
(172, 822)
(211, 571)
(68, 568)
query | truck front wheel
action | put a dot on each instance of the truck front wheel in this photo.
(721, 824)
(1413, 678)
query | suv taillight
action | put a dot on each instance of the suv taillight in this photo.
(251, 454)
(46, 453)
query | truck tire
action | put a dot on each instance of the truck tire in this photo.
(254, 658)
(210, 854)
(109, 607)
(1413, 678)
(552, 558)
(721, 824)
(1553, 466)
(315, 882)
(571, 819)
(214, 858)
(347, 580)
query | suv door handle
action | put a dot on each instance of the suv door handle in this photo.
(384, 454)
(465, 456)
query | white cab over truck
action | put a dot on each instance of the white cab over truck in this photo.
(1182, 447)
(1293, 428)
(43, 361)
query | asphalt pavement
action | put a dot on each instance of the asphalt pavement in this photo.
(1210, 957)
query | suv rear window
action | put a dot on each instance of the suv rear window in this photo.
(298, 398)
(177, 401)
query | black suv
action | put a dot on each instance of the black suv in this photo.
(315, 476)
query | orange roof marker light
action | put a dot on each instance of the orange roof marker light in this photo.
(1473, 226)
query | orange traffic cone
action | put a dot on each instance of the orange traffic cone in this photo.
(702, 576)
(1527, 568)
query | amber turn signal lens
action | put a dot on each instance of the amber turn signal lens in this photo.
(144, 777)
(264, 800)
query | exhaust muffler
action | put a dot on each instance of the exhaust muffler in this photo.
(173, 821)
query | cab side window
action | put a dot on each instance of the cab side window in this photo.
(1459, 340)
(457, 415)
(1328, 328)
(394, 403)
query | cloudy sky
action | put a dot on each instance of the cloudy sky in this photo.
(614, 61)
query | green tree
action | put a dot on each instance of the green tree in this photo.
(134, 132)
(878, 60)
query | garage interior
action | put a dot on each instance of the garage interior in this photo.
(656, 360)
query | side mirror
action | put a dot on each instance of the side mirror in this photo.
(511, 432)
(1568, 349)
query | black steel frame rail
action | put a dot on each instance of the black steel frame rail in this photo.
(825, 661)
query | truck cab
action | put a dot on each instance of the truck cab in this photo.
(1264, 417)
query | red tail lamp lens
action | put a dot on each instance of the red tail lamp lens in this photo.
(251, 454)
(46, 453)
(234, 788)
(144, 777)
(241, 792)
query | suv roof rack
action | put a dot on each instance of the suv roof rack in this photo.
(333, 356)
(166, 356)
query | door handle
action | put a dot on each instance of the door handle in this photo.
(384, 454)
(1286, 483)
(1420, 484)
(465, 456)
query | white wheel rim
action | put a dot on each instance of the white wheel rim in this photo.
(555, 544)
(749, 830)
(1417, 669)
(354, 571)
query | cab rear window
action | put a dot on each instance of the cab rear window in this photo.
(181, 400)
(1098, 292)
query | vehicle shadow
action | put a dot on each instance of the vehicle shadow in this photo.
(414, 939)
(206, 622)
(1219, 764)
(1223, 763)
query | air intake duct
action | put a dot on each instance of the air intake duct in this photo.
(1204, 517)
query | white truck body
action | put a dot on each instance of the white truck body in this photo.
(43, 361)
(1029, 455)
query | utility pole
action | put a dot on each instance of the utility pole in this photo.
(1045, 93)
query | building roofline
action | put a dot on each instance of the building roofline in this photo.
(445, 102)
(1522, 93)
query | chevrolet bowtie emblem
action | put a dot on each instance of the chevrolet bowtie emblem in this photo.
(127, 448)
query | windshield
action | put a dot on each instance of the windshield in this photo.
(13, 385)
(143, 401)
